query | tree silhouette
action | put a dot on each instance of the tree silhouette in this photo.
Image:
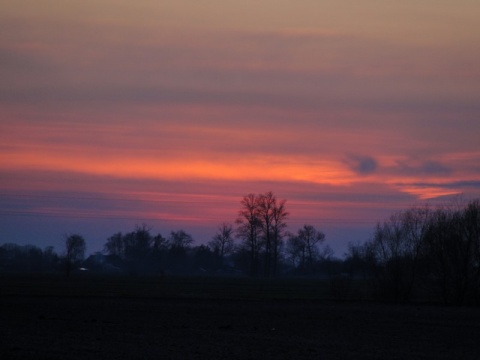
(115, 245)
(179, 245)
(180, 239)
(138, 243)
(74, 251)
(304, 247)
(279, 226)
(261, 224)
(423, 252)
(222, 242)
(453, 248)
(266, 203)
(248, 229)
(27, 258)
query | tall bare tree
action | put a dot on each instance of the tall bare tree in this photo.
(248, 229)
(279, 226)
(266, 205)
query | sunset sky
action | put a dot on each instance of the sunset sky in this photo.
(115, 113)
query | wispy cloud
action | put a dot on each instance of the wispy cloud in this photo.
(427, 167)
(463, 184)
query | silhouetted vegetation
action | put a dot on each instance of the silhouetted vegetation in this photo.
(420, 254)
(74, 252)
(261, 227)
(28, 259)
(423, 254)
(305, 251)
(223, 242)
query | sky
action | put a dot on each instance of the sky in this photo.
(116, 113)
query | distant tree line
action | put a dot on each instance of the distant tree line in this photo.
(28, 258)
(32, 259)
(140, 252)
(417, 253)
(256, 244)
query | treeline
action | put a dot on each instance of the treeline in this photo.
(423, 253)
(416, 254)
(28, 258)
(261, 229)
(255, 244)
(140, 252)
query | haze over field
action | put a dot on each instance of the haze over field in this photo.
(116, 113)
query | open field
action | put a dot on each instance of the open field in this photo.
(202, 318)
(168, 287)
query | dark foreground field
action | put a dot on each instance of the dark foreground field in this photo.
(220, 319)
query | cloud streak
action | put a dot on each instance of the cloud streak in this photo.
(427, 167)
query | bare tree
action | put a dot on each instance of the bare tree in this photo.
(360, 259)
(296, 251)
(442, 246)
(261, 225)
(179, 242)
(180, 239)
(115, 245)
(304, 248)
(159, 243)
(312, 238)
(138, 243)
(266, 205)
(415, 223)
(74, 251)
(399, 247)
(471, 236)
(248, 229)
(391, 252)
(222, 241)
(279, 226)
(453, 248)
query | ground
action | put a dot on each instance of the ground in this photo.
(117, 325)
